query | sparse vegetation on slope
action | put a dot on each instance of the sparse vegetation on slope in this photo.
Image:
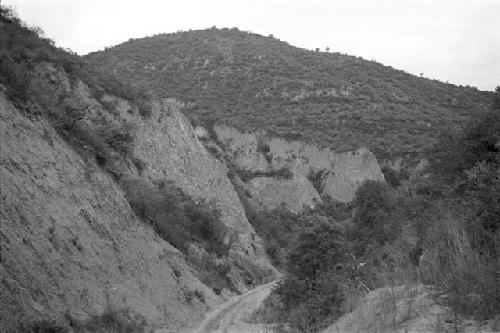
(98, 117)
(254, 82)
(23, 48)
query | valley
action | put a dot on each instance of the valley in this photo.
(222, 181)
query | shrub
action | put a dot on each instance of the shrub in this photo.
(276, 227)
(176, 217)
(317, 249)
(393, 177)
(139, 164)
(144, 104)
(333, 209)
(452, 263)
(271, 312)
(111, 321)
(119, 137)
(311, 291)
(456, 153)
(214, 274)
(14, 75)
(262, 146)
(283, 173)
(373, 205)
(317, 178)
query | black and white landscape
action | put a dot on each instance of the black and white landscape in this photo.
(224, 179)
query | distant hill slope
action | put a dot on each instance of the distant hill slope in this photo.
(255, 82)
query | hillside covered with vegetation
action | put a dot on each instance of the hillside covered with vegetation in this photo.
(332, 99)
(442, 231)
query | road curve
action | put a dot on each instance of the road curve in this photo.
(229, 317)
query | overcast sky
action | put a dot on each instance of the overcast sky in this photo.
(450, 40)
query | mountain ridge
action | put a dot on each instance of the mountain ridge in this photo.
(254, 82)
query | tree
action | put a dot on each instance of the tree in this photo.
(311, 292)
(373, 205)
(318, 248)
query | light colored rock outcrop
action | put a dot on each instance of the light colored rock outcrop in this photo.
(292, 193)
(71, 243)
(341, 173)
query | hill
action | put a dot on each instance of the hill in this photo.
(331, 99)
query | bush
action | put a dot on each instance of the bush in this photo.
(317, 179)
(393, 177)
(311, 291)
(456, 153)
(13, 74)
(276, 227)
(120, 137)
(214, 274)
(112, 321)
(176, 217)
(454, 264)
(271, 312)
(283, 173)
(373, 205)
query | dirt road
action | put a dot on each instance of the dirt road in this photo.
(230, 316)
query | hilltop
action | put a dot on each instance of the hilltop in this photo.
(333, 100)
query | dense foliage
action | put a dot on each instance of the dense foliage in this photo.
(448, 238)
(176, 216)
(255, 82)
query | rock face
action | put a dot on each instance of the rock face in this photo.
(169, 150)
(293, 193)
(71, 243)
(337, 175)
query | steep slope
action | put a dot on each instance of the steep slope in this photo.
(71, 245)
(330, 99)
(77, 149)
(166, 150)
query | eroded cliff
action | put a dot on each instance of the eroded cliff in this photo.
(72, 246)
(294, 173)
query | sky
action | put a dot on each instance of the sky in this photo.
(450, 40)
